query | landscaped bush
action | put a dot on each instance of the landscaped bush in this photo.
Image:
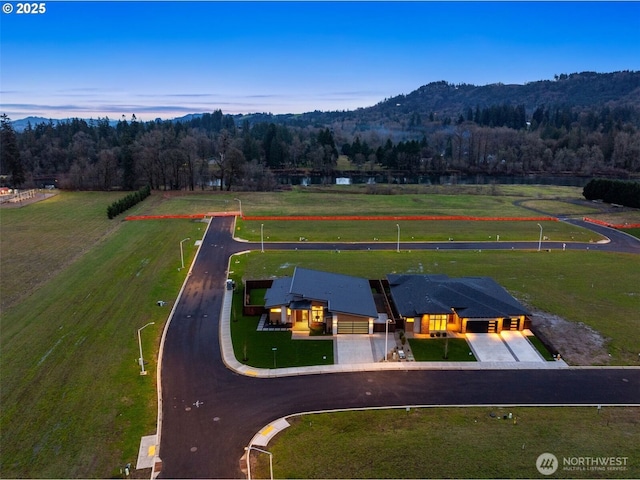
(119, 206)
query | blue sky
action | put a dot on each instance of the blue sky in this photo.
(167, 59)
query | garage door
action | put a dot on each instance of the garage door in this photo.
(478, 326)
(482, 326)
(345, 326)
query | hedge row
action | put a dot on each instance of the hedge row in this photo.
(620, 192)
(119, 206)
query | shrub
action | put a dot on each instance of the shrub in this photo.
(119, 206)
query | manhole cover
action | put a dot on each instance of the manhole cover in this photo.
(187, 409)
(216, 419)
(368, 393)
(193, 449)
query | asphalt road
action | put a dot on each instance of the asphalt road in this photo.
(209, 414)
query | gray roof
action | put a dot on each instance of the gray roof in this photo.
(471, 297)
(343, 293)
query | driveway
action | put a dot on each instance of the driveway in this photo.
(349, 349)
(507, 346)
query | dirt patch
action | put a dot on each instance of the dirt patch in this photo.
(577, 343)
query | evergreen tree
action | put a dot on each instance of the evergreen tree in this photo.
(10, 163)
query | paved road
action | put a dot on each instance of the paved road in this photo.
(209, 414)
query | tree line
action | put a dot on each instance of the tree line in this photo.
(221, 151)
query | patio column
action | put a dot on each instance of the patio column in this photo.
(370, 325)
(334, 324)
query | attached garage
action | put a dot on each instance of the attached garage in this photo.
(352, 326)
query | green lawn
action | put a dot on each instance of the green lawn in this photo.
(452, 443)
(433, 350)
(410, 231)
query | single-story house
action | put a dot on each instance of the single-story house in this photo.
(338, 303)
(437, 304)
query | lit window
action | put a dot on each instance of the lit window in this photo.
(438, 323)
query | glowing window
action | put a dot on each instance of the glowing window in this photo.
(438, 323)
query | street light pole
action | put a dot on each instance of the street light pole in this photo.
(262, 237)
(240, 202)
(181, 252)
(386, 339)
(398, 245)
(540, 240)
(248, 449)
(142, 370)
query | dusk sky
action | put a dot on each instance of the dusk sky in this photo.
(167, 59)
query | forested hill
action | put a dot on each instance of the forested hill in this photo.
(585, 89)
(443, 99)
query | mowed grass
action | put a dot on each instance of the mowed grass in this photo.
(73, 402)
(37, 242)
(434, 349)
(453, 443)
(410, 231)
(473, 200)
(599, 289)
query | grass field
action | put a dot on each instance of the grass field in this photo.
(73, 402)
(453, 443)
(76, 287)
(410, 231)
(483, 200)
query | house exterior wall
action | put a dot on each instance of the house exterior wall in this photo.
(422, 324)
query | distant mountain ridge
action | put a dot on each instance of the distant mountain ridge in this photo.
(581, 90)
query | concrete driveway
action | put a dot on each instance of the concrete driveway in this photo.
(349, 349)
(507, 346)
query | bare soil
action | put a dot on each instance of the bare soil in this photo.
(577, 343)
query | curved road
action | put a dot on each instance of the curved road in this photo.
(209, 413)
